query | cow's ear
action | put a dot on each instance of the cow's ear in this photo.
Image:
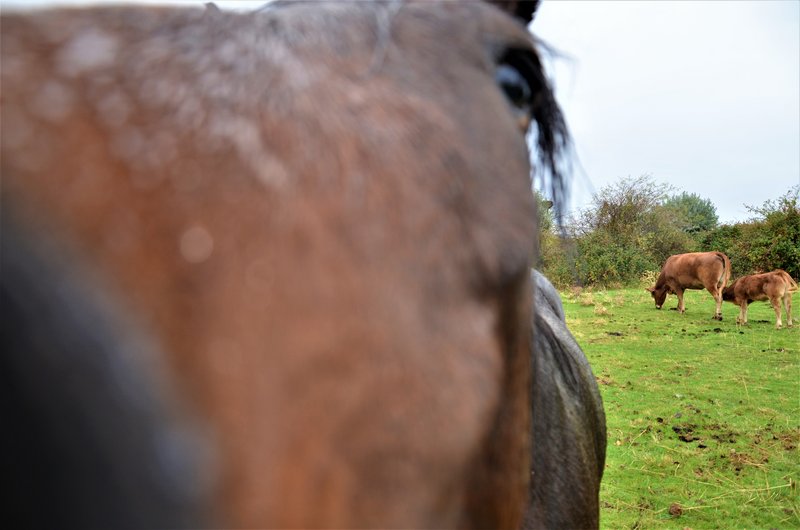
(649, 289)
(524, 10)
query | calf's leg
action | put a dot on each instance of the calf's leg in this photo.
(787, 302)
(742, 318)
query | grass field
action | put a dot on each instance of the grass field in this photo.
(703, 416)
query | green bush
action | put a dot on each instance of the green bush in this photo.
(633, 226)
(733, 241)
(556, 259)
(606, 260)
(625, 232)
(771, 240)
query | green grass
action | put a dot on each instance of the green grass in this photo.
(703, 416)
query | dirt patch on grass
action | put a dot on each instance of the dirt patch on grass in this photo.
(757, 450)
(739, 460)
(690, 432)
(725, 437)
(788, 440)
(752, 450)
(723, 433)
(605, 380)
(686, 433)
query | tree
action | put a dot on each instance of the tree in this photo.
(626, 231)
(768, 241)
(544, 211)
(623, 207)
(776, 237)
(699, 214)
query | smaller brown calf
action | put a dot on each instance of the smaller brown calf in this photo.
(773, 286)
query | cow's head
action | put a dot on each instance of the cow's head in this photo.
(727, 293)
(659, 295)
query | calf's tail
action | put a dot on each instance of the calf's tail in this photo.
(789, 281)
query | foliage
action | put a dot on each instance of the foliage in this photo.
(696, 214)
(544, 212)
(771, 240)
(608, 260)
(555, 253)
(733, 241)
(634, 225)
(626, 231)
(702, 416)
(776, 234)
(557, 258)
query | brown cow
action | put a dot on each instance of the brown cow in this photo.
(695, 270)
(775, 286)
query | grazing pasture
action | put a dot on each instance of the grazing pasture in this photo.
(703, 416)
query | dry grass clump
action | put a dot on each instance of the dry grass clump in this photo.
(600, 309)
(586, 299)
(648, 278)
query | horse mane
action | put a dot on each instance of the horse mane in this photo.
(525, 10)
(552, 137)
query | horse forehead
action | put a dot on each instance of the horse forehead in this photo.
(430, 32)
(283, 89)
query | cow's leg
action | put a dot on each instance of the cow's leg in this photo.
(787, 303)
(742, 318)
(679, 293)
(717, 294)
(776, 305)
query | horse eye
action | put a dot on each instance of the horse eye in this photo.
(515, 74)
(514, 86)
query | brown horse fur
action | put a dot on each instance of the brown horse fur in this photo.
(695, 270)
(315, 219)
(776, 287)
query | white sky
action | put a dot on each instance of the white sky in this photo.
(702, 95)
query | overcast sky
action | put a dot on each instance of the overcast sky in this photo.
(702, 95)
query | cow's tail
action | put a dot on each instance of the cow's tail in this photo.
(726, 269)
(789, 281)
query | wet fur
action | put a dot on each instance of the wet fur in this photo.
(328, 255)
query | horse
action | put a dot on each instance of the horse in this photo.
(271, 269)
(567, 413)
